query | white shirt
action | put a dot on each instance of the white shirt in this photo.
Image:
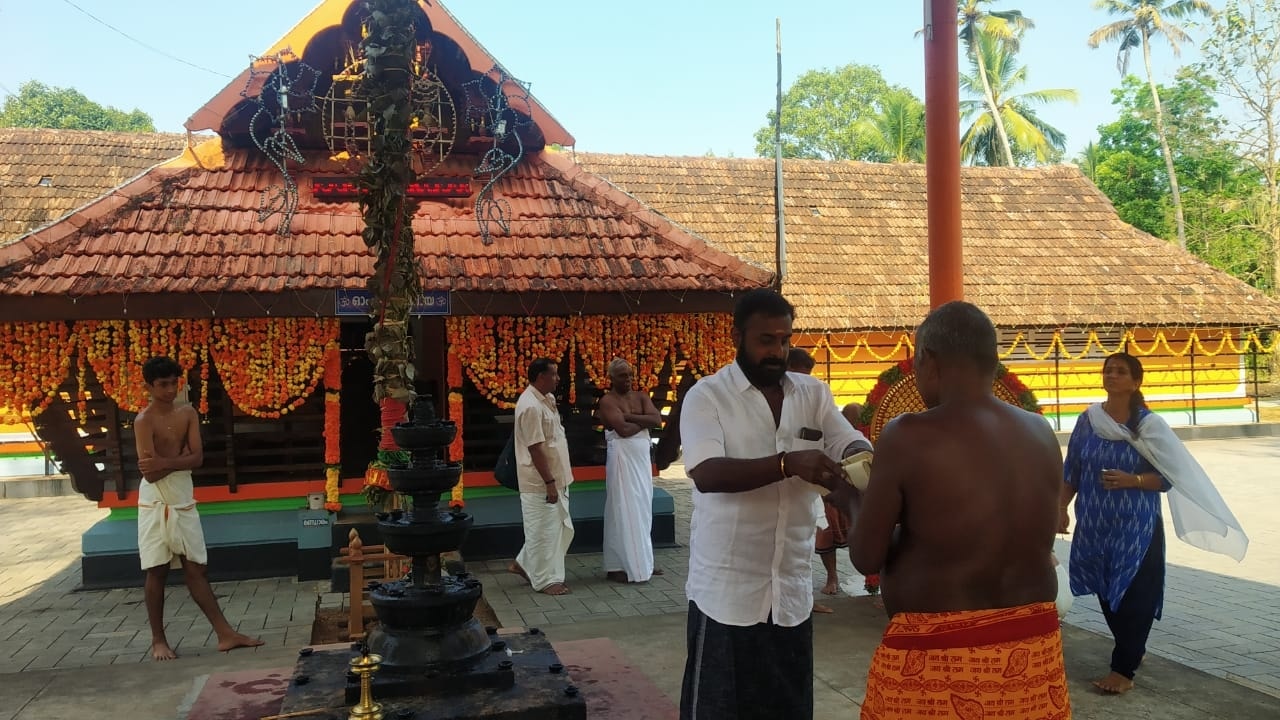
(538, 421)
(749, 551)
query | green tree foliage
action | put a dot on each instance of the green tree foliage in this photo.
(39, 106)
(1141, 21)
(897, 131)
(977, 23)
(833, 115)
(1219, 188)
(1242, 53)
(1030, 138)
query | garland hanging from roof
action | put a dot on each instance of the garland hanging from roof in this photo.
(495, 352)
(270, 366)
(116, 350)
(36, 357)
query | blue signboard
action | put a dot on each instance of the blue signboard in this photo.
(357, 302)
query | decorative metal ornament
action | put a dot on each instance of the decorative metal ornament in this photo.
(501, 116)
(288, 92)
(348, 126)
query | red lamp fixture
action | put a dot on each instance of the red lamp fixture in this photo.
(345, 188)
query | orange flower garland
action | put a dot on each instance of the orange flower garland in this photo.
(37, 357)
(270, 366)
(116, 350)
(332, 426)
(455, 414)
(496, 351)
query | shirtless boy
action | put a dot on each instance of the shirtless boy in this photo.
(169, 533)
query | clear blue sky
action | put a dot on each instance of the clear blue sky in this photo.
(660, 77)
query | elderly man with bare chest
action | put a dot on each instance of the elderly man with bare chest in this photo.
(628, 415)
(959, 518)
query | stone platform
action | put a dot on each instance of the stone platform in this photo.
(607, 686)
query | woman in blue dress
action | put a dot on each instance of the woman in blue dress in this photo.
(1117, 551)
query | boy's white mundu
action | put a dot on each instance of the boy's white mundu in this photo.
(168, 524)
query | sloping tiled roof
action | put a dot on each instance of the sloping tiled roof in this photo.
(76, 166)
(184, 228)
(1042, 247)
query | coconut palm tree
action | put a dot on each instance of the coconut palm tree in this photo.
(1006, 26)
(897, 130)
(1089, 160)
(1028, 135)
(1141, 21)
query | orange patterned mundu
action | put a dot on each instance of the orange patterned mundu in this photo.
(970, 665)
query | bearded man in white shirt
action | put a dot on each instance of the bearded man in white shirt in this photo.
(759, 443)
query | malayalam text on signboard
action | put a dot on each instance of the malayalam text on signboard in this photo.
(357, 302)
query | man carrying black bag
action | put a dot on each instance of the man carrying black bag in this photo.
(543, 477)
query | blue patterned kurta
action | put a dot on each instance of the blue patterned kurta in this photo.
(1113, 527)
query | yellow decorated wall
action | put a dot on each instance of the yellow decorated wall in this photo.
(1202, 372)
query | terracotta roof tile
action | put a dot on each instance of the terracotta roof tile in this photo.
(79, 165)
(1043, 247)
(181, 228)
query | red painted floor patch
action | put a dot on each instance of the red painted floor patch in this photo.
(239, 695)
(614, 688)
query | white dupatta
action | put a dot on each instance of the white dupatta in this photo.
(1200, 516)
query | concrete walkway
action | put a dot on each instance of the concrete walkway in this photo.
(62, 652)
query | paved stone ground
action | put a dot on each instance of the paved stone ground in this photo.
(1220, 617)
(45, 624)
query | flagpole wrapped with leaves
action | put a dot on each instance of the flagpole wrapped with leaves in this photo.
(389, 48)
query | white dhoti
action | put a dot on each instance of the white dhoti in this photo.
(628, 506)
(168, 524)
(548, 530)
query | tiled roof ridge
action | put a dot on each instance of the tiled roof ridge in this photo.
(55, 237)
(9, 132)
(1056, 170)
(609, 194)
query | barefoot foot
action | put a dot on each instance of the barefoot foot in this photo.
(516, 569)
(556, 589)
(832, 587)
(160, 651)
(231, 642)
(820, 608)
(1114, 684)
(658, 571)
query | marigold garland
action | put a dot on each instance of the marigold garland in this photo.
(116, 350)
(332, 488)
(270, 366)
(496, 351)
(333, 425)
(454, 384)
(36, 357)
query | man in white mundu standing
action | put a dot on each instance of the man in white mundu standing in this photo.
(759, 443)
(628, 414)
(542, 466)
